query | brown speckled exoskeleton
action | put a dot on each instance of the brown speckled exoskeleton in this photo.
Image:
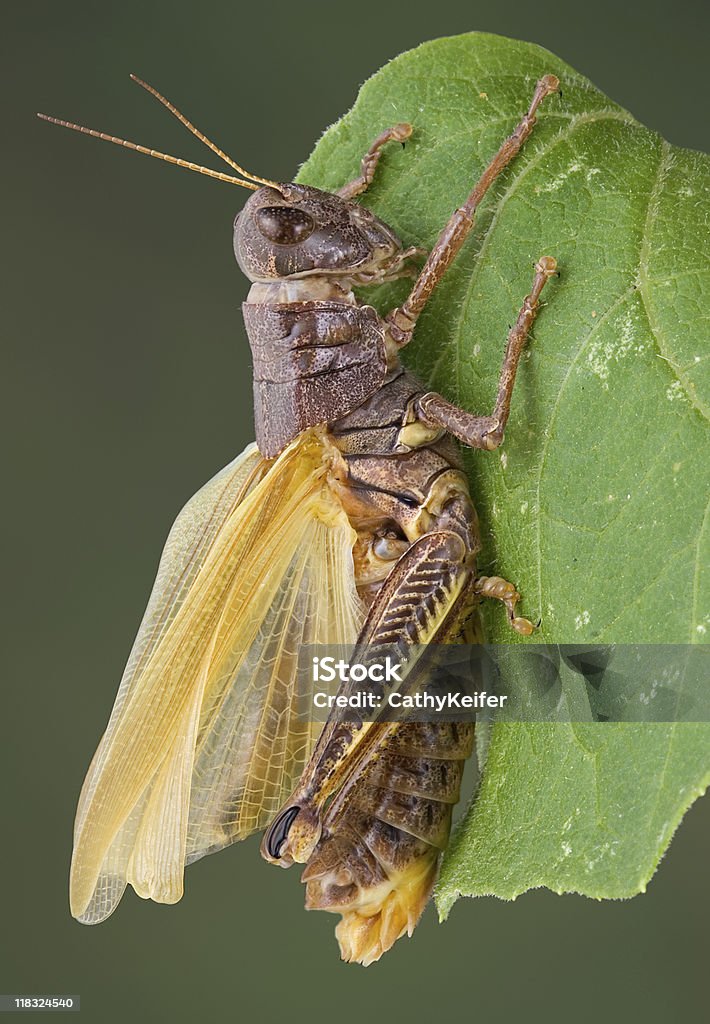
(349, 522)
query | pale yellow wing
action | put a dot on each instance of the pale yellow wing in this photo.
(206, 738)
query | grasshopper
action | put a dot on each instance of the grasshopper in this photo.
(348, 522)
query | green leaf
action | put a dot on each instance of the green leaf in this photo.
(585, 808)
(597, 503)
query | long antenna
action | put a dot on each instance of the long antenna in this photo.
(203, 138)
(149, 152)
(187, 164)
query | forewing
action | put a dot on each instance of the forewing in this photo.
(204, 737)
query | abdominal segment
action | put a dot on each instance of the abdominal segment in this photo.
(376, 861)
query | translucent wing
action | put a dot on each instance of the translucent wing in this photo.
(205, 739)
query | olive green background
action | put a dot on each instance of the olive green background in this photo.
(126, 376)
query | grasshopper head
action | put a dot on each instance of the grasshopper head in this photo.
(295, 230)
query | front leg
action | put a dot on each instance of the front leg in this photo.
(398, 133)
(486, 432)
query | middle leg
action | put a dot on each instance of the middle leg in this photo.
(487, 431)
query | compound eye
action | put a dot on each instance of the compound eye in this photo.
(284, 225)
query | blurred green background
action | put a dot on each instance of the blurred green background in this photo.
(127, 384)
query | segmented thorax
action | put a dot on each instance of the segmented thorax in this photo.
(317, 355)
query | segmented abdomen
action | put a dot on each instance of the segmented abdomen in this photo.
(376, 861)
